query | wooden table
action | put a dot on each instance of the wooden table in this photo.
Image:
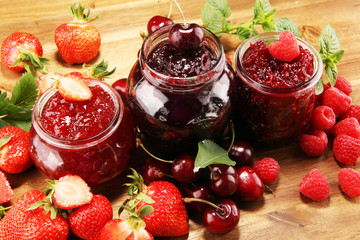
(288, 215)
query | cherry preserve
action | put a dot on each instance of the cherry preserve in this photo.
(275, 98)
(91, 138)
(180, 94)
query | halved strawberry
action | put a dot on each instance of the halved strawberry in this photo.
(6, 193)
(122, 229)
(71, 191)
(74, 89)
(47, 81)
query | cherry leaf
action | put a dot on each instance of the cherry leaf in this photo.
(211, 153)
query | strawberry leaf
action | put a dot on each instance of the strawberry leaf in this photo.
(211, 153)
(141, 196)
(5, 140)
(145, 210)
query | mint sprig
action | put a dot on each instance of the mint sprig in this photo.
(17, 110)
(215, 14)
(211, 153)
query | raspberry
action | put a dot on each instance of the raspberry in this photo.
(318, 98)
(323, 118)
(348, 126)
(336, 99)
(286, 48)
(349, 181)
(343, 85)
(267, 169)
(313, 142)
(346, 149)
(315, 186)
(353, 111)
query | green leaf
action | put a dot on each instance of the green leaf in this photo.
(212, 20)
(25, 124)
(5, 140)
(337, 56)
(331, 73)
(221, 7)
(37, 204)
(282, 24)
(319, 87)
(142, 197)
(25, 92)
(261, 8)
(211, 153)
(4, 123)
(328, 41)
(145, 210)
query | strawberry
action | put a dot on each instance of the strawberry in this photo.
(122, 229)
(78, 41)
(74, 89)
(315, 186)
(87, 221)
(349, 181)
(23, 51)
(71, 191)
(47, 81)
(14, 152)
(6, 193)
(24, 222)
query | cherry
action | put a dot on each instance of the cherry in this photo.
(242, 153)
(199, 192)
(223, 180)
(183, 168)
(223, 219)
(250, 187)
(155, 170)
(157, 22)
(186, 36)
(120, 86)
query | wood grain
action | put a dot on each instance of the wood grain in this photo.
(285, 215)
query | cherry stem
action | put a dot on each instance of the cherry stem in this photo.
(162, 174)
(182, 14)
(153, 156)
(170, 10)
(269, 189)
(232, 136)
(189, 200)
(214, 175)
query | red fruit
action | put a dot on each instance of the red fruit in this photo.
(74, 89)
(267, 169)
(315, 186)
(199, 192)
(349, 181)
(155, 170)
(87, 221)
(14, 155)
(336, 99)
(353, 111)
(250, 186)
(71, 191)
(346, 149)
(286, 48)
(323, 118)
(313, 142)
(223, 180)
(242, 153)
(343, 85)
(157, 22)
(11, 50)
(47, 81)
(121, 229)
(169, 218)
(121, 87)
(183, 168)
(348, 126)
(77, 41)
(6, 193)
(22, 223)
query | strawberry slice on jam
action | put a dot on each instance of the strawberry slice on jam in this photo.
(74, 89)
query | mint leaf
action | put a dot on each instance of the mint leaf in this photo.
(212, 20)
(25, 92)
(5, 140)
(319, 87)
(211, 153)
(282, 24)
(245, 31)
(220, 6)
(331, 73)
(336, 57)
(261, 7)
(328, 41)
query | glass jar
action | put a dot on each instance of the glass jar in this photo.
(273, 115)
(96, 158)
(174, 113)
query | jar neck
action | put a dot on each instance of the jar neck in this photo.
(81, 143)
(180, 84)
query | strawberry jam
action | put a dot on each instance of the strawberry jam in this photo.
(275, 98)
(92, 139)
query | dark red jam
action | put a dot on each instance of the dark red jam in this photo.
(169, 61)
(75, 120)
(262, 67)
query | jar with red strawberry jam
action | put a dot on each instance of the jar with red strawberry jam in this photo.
(181, 96)
(276, 98)
(91, 138)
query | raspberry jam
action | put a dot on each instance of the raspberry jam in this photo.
(275, 99)
(92, 139)
(179, 98)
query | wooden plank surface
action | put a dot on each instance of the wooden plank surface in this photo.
(288, 215)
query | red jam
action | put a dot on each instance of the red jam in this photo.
(92, 139)
(262, 67)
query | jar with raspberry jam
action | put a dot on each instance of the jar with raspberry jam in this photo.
(92, 138)
(276, 98)
(180, 96)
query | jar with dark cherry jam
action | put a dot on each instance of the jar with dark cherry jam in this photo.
(276, 98)
(91, 138)
(180, 96)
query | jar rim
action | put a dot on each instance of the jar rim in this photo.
(80, 143)
(180, 84)
(240, 51)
